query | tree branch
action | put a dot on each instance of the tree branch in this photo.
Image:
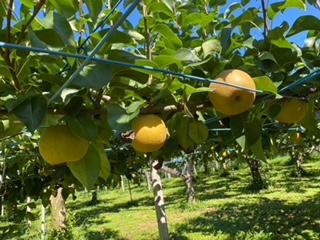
(265, 19)
(25, 26)
(174, 172)
(147, 36)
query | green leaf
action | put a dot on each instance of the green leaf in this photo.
(158, 7)
(246, 16)
(252, 136)
(185, 54)
(170, 38)
(10, 127)
(198, 132)
(232, 7)
(189, 90)
(164, 60)
(94, 75)
(118, 118)
(276, 7)
(265, 84)
(169, 3)
(87, 170)
(304, 23)
(60, 25)
(34, 40)
(94, 7)
(277, 36)
(179, 129)
(104, 131)
(212, 46)
(242, 126)
(148, 65)
(31, 111)
(105, 164)
(238, 130)
(117, 37)
(83, 126)
(68, 8)
(2, 8)
(257, 150)
(310, 121)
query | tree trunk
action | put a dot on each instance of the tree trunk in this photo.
(43, 223)
(159, 203)
(190, 176)
(147, 174)
(58, 210)
(130, 191)
(94, 197)
(122, 183)
(206, 166)
(257, 181)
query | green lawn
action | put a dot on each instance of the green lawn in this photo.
(226, 209)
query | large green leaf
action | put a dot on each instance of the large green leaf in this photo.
(165, 60)
(2, 9)
(246, 16)
(198, 132)
(246, 129)
(67, 8)
(31, 111)
(265, 84)
(211, 46)
(10, 127)
(105, 164)
(94, 75)
(276, 7)
(185, 54)
(171, 39)
(118, 118)
(179, 129)
(169, 3)
(87, 170)
(147, 67)
(257, 150)
(304, 23)
(232, 7)
(310, 121)
(94, 7)
(82, 125)
(60, 25)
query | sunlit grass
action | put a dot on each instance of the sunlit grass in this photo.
(226, 209)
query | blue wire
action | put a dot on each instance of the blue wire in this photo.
(309, 77)
(130, 65)
(95, 50)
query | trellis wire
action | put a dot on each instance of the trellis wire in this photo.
(91, 57)
(81, 47)
(112, 62)
(95, 50)
(264, 129)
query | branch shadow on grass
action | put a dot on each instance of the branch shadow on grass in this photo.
(278, 219)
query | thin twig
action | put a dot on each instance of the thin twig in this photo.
(8, 34)
(266, 28)
(147, 36)
(25, 26)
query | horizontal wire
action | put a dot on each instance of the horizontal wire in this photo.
(81, 47)
(264, 129)
(95, 50)
(314, 74)
(124, 64)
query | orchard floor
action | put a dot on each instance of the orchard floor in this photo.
(226, 209)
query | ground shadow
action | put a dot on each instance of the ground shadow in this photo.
(282, 220)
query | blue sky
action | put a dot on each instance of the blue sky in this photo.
(289, 15)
